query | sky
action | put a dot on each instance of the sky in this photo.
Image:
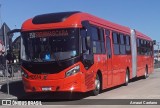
(142, 15)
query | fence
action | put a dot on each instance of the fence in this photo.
(14, 73)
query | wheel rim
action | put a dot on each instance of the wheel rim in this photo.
(127, 78)
(146, 74)
(97, 84)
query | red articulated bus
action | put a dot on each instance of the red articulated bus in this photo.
(79, 52)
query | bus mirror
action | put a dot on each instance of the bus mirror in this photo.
(88, 42)
(84, 49)
(13, 31)
(83, 32)
(154, 42)
(85, 24)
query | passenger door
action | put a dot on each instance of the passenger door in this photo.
(109, 58)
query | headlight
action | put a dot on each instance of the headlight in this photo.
(73, 71)
(14, 60)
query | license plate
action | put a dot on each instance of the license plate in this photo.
(46, 88)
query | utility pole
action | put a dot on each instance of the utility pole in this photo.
(5, 40)
(158, 44)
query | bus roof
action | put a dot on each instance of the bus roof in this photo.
(66, 19)
(71, 20)
(142, 36)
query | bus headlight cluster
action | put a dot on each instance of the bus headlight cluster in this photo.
(73, 71)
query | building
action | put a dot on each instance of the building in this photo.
(8, 38)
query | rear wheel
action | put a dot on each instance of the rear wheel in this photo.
(127, 78)
(97, 85)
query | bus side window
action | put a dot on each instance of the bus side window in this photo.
(128, 45)
(115, 39)
(95, 39)
(138, 46)
(108, 46)
(122, 44)
(145, 47)
(108, 43)
(83, 35)
(142, 47)
(148, 48)
(102, 40)
(107, 32)
(151, 48)
(98, 40)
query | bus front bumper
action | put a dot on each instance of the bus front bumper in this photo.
(74, 83)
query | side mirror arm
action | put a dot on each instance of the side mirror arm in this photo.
(13, 31)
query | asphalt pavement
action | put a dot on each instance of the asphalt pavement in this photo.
(137, 89)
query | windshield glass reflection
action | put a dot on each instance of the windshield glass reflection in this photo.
(50, 45)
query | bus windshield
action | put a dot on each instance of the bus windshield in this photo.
(51, 45)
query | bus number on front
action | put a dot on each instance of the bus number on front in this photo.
(32, 35)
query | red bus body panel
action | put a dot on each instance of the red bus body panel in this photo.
(112, 75)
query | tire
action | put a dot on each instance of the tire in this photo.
(97, 89)
(126, 78)
(146, 73)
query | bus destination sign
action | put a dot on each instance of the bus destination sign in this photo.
(48, 33)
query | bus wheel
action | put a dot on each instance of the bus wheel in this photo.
(126, 78)
(146, 73)
(97, 85)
